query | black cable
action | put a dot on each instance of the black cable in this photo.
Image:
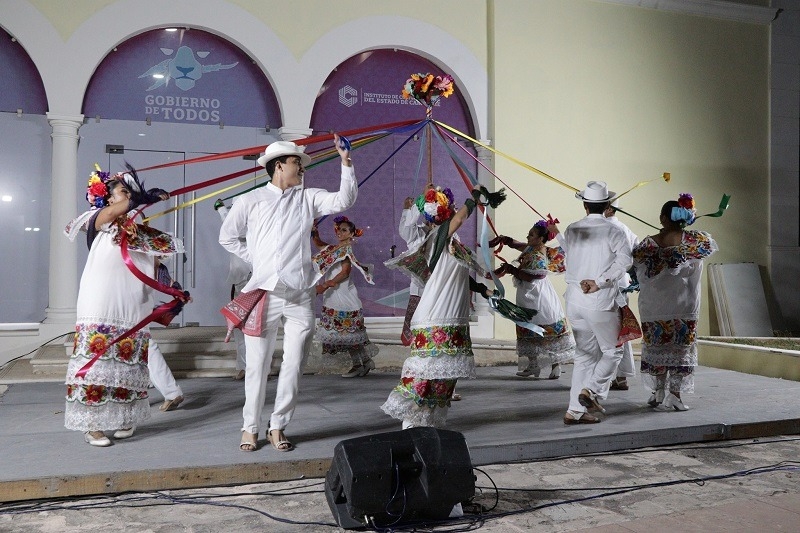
(40, 346)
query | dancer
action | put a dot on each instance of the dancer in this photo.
(341, 328)
(160, 375)
(238, 275)
(112, 396)
(162, 379)
(535, 291)
(626, 368)
(669, 267)
(276, 222)
(413, 233)
(598, 255)
(441, 351)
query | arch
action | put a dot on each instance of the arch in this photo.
(23, 90)
(182, 76)
(295, 83)
(94, 39)
(368, 33)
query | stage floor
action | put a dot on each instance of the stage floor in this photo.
(504, 418)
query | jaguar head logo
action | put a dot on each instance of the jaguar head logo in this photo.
(183, 68)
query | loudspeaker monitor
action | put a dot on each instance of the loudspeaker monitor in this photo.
(389, 478)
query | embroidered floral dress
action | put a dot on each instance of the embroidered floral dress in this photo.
(341, 326)
(441, 347)
(669, 306)
(557, 344)
(111, 300)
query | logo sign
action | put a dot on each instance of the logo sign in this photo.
(185, 76)
(184, 68)
(348, 96)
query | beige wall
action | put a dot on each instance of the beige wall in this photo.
(585, 90)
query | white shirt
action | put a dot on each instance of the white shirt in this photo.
(276, 226)
(599, 250)
(413, 234)
(625, 280)
(238, 270)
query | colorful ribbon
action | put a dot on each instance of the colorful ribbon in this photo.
(179, 296)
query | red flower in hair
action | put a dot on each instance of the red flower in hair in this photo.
(686, 201)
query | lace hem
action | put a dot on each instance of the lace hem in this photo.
(358, 352)
(669, 355)
(450, 367)
(406, 409)
(675, 381)
(107, 417)
(546, 351)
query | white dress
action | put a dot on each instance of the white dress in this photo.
(669, 307)
(341, 327)
(111, 300)
(441, 347)
(556, 344)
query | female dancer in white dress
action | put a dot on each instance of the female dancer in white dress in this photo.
(669, 267)
(112, 395)
(341, 328)
(535, 291)
(441, 348)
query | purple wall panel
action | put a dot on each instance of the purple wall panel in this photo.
(206, 80)
(365, 91)
(21, 87)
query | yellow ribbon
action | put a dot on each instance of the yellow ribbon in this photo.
(202, 198)
(510, 158)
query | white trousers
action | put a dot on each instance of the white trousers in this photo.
(627, 366)
(294, 310)
(160, 375)
(241, 349)
(238, 336)
(596, 354)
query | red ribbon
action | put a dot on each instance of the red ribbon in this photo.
(553, 221)
(155, 315)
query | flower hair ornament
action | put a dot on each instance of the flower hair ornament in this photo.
(357, 232)
(436, 205)
(685, 214)
(543, 224)
(96, 188)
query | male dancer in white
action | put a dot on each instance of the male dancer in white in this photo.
(598, 255)
(276, 221)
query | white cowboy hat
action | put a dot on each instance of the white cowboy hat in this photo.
(596, 192)
(281, 148)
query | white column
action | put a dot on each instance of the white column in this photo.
(485, 328)
(293, 134)
(63, 275)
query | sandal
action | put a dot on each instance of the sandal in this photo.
(249, 442)
(280, 445)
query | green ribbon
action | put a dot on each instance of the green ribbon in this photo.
(723, 205)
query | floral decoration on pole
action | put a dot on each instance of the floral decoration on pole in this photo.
(427, 88)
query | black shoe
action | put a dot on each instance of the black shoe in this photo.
(585, 419)
(588, 399)
(619, 384)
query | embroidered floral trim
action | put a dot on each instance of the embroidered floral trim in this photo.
(94, 395)
(552, 259)
(331, 255)
(694, 245)
(669, 332)
(440, 340)
(556, 329)
(427, 392)
(96, 336)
